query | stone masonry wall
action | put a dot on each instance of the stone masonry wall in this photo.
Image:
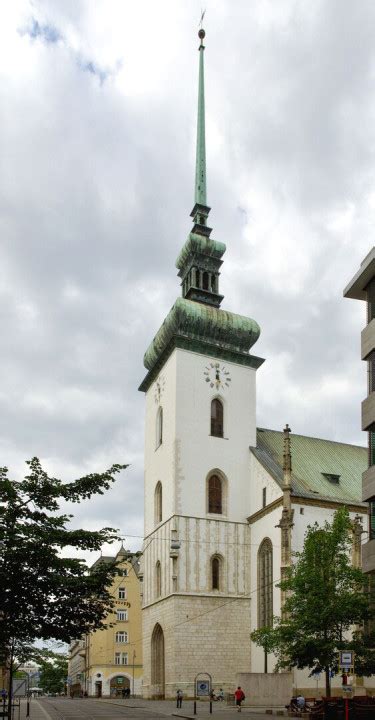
(201, 634)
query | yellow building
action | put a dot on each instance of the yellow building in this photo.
(113, 656)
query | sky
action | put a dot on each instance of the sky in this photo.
(97, 134)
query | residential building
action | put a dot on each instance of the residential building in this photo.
(112, 658)
(76, 667)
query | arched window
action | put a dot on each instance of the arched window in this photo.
(158, 503)
(205, 281)
(215, 495)
(265, 584)
(159, 427)
(217, 418)
(215, 573)
(158, 579)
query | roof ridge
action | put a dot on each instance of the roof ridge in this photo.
(313, 437)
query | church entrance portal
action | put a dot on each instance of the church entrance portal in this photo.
(157, 663)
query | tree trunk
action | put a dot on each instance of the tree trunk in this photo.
(10, 688)
(328, 681)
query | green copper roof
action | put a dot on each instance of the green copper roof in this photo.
(311, 457)
(196, 321)
(200, 166)
(199, 244)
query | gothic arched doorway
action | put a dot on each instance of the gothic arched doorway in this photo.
(157, 663)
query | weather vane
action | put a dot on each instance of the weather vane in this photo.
(201, 33)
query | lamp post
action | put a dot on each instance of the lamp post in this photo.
(134, 656)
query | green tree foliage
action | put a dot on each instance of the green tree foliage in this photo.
(53, 673)
(46, 593)
(326, 597)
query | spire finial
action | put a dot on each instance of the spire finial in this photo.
(287, 464)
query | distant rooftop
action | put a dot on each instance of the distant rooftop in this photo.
(315, 462)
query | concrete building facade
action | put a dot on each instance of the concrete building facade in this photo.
(362, 287)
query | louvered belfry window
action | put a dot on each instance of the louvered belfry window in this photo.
(215, 495)
(217, 418)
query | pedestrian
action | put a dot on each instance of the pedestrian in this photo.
(3, 696)
(220, 695)
(240, 697)
(301, 702)
(179, 698)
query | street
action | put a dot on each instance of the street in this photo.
(63, 708)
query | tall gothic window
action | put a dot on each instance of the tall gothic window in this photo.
(158, 579)
(215, 495)
(158, 503)
(159, 427)
(217, 418)
(265, 584)
(215, 573)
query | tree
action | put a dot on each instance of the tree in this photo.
(53, 673)
(45, 594)
(326, 597)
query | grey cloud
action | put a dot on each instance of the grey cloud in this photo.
(96, 188)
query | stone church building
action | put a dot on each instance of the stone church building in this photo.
(225, 502)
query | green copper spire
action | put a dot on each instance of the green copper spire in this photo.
(200, 166)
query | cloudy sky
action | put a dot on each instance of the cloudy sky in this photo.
(97, 135)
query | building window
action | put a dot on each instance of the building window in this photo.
(372, 519)
(121, 637)
(370, 300)
(122, 593)
(371, 372)
(217, 418)
(334, 479)
(371, 447)
(158, 579)
(122, 614)
(264, 497)
(159, 427)
(205, 281)
(121, 658)
(215, 573)
(215, 495)
(158, 503)
(265, 584)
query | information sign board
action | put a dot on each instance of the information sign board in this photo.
(203, 688)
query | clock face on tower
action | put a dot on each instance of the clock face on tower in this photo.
(159, 388)
(217, 376)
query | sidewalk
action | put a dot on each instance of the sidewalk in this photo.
(168, 707)
(153, 707)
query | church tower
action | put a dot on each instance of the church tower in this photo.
(200, 422)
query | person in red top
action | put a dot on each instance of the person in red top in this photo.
(239, 696)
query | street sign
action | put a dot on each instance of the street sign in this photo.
(346, 659)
